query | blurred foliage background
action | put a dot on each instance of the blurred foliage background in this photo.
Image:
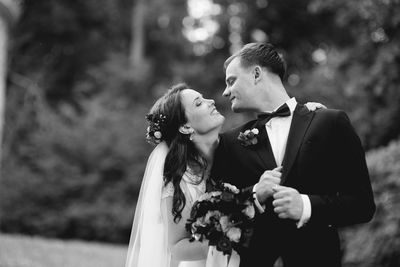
(83, 74)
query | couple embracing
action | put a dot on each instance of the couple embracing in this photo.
(303, 166)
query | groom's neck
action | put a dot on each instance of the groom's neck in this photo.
(275, 97)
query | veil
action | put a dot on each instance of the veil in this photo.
(148, 245)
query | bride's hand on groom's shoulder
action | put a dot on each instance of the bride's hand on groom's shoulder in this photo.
(269, 179)
(312, 106)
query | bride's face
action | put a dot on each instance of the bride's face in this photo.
(201, 113)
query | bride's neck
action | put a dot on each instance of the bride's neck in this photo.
(206, 144)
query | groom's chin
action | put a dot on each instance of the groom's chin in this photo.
(236, 109)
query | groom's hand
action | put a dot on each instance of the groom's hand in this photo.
(269, 179)
(287, 203)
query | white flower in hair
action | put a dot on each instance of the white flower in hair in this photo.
(157, 134)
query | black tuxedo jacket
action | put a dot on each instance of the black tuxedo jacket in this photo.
(324, 159)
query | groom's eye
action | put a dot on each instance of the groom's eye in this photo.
(230, 81)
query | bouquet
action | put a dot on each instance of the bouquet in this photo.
(223, 217)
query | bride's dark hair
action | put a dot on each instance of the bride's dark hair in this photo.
(182, 152)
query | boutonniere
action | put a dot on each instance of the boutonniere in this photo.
(249, 137)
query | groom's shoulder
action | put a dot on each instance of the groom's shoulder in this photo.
(331, 114)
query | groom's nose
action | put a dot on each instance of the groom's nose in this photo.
(226, 92)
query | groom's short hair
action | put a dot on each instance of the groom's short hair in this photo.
(263, 54)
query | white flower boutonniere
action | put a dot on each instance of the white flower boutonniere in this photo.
(249, 137)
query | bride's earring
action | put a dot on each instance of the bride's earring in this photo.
(191, 136)
(186, 129)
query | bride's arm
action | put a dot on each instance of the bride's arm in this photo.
(178, 238)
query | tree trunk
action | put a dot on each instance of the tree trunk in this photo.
(138, 39)
(3, 52)
(9, 11)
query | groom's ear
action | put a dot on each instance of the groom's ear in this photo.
(257, 74)
(186, 129)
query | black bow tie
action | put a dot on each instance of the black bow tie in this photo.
(282, 111)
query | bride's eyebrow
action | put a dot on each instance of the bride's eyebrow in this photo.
(197, 98)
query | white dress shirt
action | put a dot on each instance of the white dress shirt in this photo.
(278, 132)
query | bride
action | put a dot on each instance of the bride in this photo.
(185, 127)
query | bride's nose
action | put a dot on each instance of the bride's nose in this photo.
(212, 102)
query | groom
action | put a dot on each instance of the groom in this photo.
(306, 171)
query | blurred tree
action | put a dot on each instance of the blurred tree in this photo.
(74, 140)
(67, 37)
(360, 73)
(9, 12)
(71, 176)
(137, 44)
(377, 243)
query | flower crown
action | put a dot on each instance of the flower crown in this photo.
(154, 130)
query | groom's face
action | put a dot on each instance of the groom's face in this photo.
(239, 86)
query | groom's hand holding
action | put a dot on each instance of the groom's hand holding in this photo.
(287, 203)
(268, 180)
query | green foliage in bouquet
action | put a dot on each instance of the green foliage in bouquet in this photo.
(224, 217)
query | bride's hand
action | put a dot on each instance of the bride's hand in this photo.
(312, 106)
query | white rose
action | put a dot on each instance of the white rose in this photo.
(234, 234)
(212, 214)
(249, 211)
(255, 131)
(224, 221)
(232, 188)
(157, 134)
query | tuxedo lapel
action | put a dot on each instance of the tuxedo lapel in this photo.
(264, 150)
(301, 120)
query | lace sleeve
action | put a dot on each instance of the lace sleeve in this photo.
(168, 190)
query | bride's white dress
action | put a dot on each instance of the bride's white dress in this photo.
(148, 244)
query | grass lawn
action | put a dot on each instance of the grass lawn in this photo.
(26, 251)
